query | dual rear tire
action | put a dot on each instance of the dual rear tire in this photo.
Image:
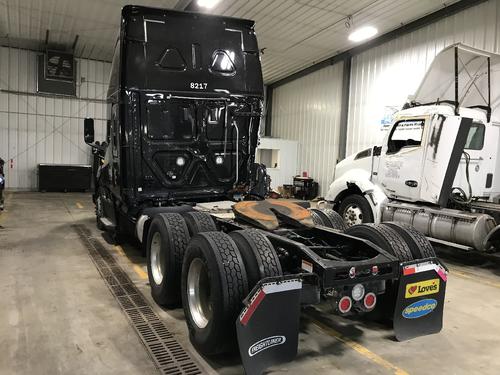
(209, 271)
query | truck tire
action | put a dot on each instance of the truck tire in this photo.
(99, 209)
(355, 209)
(383, 236)
(419, 245)
(198, 222)
(258, 255)
(316, 217)
(168, 238)
(333, 219)
(214, 284)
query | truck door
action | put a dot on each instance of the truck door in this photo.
(401, 159)
(420, 159)
(482, 146)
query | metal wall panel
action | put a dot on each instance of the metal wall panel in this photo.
(307, 110)
(41, 128)
(384, 76)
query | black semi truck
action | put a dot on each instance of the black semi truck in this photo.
(177, 171)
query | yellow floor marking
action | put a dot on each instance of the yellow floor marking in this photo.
(137, 269)
(365, 352)
(140, 272)
(119, 250)
(79, 205)
(3, 214)
(471, 276)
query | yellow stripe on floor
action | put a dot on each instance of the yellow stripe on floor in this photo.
(365, 352)
(79, 205)
(3, 214)
(140, 272)
(137, 269)
(473, 277)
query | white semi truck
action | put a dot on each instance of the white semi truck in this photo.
(437, 168)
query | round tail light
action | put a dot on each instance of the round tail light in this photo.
(345, 304)
(370, 301)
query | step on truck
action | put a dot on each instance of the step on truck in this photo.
(437, 168)
(176, 172)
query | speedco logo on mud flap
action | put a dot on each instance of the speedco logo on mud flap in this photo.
(422, 288)
(420, 308)
(266, 343)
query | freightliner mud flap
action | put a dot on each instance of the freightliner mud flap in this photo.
(268, 327)
(420, 301)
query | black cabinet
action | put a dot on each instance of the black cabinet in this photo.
(64, 177)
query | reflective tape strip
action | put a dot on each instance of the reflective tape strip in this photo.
(267, 288)
(254, 303)
(409, 270)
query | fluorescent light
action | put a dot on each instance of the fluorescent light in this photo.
(362, 33)
(209, 4)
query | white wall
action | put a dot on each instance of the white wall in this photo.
(384, 76)
(307, 110)
(45, 129)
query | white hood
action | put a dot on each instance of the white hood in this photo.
(472, 67)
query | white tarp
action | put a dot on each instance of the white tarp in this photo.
(439, 81)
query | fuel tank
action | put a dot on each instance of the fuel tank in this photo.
(461, 227)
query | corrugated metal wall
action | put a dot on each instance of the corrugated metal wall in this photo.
(384, 76)
(45, 129)
(307, 110)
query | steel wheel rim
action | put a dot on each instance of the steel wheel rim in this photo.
(353, 215)
(156, 259)
(198, 289)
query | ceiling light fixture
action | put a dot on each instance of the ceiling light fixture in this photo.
(362, 33)
(209, 4)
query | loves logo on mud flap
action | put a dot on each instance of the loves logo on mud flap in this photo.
(422, 288)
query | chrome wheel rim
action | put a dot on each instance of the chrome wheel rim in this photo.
(353, 215)
(156, 259)
(198, 289)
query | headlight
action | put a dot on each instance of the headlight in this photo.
(358, 291)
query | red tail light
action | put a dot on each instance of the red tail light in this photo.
(370, 301)
(345, 304)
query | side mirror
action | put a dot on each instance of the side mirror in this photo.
(88, 130)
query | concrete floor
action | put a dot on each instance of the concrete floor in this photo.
(58, 317)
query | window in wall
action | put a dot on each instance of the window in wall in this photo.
(269, 157)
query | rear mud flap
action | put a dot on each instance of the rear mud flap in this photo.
(420, 301)
(268, 327)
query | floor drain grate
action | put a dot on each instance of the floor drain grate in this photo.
(168, 355)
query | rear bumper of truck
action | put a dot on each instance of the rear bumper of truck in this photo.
(268, 326)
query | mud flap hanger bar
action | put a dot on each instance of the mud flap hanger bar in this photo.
(268, 326)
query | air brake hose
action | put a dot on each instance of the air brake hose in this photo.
(462, 197)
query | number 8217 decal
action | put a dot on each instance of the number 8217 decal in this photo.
(198, 85)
